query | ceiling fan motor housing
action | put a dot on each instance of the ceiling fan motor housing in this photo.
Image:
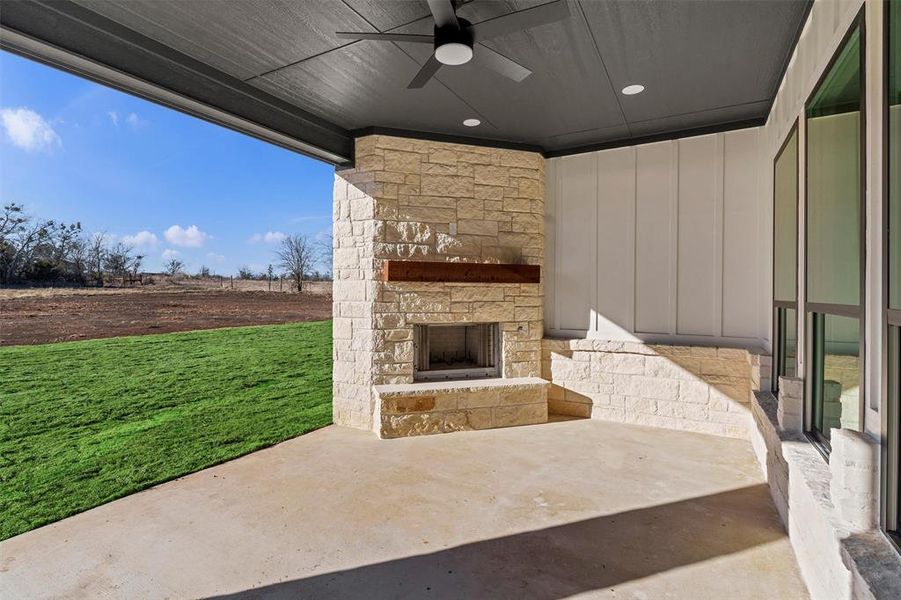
(453, 45)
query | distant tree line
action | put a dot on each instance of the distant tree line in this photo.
(52, 252)
(48, 251)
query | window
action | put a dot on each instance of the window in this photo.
(785, 256)
(892, 504)
(835, 374)
(835, 242)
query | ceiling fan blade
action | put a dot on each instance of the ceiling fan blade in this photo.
(519, 21)
(486, 57)
(387, 37)
(444, 13)
(427, 71)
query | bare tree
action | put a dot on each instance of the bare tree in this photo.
(12, 217)
(326, 252)
(119, 260)
(174, 267)
(296, 256)
(204, 272)
(96, 255)
(244, 272)
(19, 238)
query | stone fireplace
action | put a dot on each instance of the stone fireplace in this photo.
(432, 353)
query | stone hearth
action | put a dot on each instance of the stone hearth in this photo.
(420, 200)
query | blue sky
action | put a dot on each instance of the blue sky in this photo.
(173, 185)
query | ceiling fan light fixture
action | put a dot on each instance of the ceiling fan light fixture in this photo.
(631, 90)
(453, 53)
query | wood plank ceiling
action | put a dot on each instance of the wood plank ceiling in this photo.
(708, 64)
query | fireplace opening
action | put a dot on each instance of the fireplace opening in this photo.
(445, 352)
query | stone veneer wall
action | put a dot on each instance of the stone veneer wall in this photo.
(423, 200)
(692, 388)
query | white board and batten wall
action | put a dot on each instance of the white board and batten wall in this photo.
(659, 242)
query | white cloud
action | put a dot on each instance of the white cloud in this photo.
(114, 117)
(217, 258)
(143, 239)
(135, 122)
(28, 130)
(191, 237)
(270, 237)
(169, 253)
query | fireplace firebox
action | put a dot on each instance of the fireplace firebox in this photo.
(456, 351)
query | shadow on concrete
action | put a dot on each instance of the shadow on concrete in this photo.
(560, 561)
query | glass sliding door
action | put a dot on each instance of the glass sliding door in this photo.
(892, 487)
(835, 242)
(785, 257)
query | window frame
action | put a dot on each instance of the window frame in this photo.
(793, 133)
(890, 495)
(819, 308)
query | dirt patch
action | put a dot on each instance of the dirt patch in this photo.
(77, 315)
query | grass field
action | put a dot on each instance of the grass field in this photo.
(83, 423)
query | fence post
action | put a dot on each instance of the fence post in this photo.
(231, 279)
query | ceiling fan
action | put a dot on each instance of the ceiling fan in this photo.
(455, 37)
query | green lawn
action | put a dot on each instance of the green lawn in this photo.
(83, 423)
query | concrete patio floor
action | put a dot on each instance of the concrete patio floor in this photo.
(567, 509)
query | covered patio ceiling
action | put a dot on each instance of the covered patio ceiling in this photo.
(277, 70)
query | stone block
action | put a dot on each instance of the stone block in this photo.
(791, 387)
(393, 426)
(491, 175)
(523, 414)
(647, 387)
(407, 232)
(641, 405)
(718, 366)
(665, 367)
(477, 227)
(614, 362)
(854, 486)
(470, 209)
(608, 413)
(790, 410)
(409, 404)
(480, 418)
(570, 370)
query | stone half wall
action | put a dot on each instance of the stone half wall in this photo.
(692, 388)
(409, 199)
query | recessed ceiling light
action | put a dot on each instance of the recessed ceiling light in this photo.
(631, 90)
(472, 122)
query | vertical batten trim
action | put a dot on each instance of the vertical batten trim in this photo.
(718, 225)
(674, 239)
(593, 300)
(634, 265)
(558, 177)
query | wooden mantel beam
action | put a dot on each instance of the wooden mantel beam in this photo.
(459, 272)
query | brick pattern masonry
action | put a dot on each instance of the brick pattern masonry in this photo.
(692, 388)
(422, 200)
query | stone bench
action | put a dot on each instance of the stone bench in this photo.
(445, 406)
